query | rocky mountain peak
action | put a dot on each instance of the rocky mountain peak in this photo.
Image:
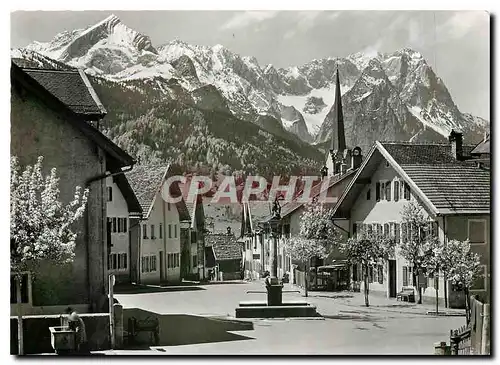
(386, 92)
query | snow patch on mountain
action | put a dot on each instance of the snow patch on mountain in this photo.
(423, 117)
(313, 121)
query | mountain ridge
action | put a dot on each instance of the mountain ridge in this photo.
(385, 96)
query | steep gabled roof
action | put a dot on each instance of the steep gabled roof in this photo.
(72, 88)
(79, 112)
(133, 204)
(147, 181)
(444, 185)
(483, 147)
(225, 246)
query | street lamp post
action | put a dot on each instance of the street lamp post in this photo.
(273, 284)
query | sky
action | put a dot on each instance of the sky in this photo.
(455, 43)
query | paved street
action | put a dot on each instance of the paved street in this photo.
(348, 327)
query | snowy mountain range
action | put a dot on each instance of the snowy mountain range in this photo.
(394, 96)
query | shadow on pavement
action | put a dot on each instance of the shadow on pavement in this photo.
(143, 289)
(186, 329)
(340, 296)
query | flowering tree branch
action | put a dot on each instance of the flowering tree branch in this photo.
(40, 225)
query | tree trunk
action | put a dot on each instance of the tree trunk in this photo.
(467, 305)
(306, 279)
(416, 282)
(365, 279)
(20, 335)
(437, 293)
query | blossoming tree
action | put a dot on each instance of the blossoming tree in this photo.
(367, 249)
(462, 267)
(40, 225)
(317, 237)
(418, 240)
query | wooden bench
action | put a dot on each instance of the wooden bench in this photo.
(407, 294)
(148, 324)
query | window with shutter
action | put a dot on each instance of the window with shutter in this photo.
(407, 191)
(377, 191)
(388, 191)
(396, 190)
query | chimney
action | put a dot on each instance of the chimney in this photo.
(455, 139)
(356, 158)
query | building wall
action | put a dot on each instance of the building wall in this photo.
(384, 211)
(450, 227)
(120, 241)
(37, 130)
(457, 227)
(135, 256)
(253, 257)
(169, 244)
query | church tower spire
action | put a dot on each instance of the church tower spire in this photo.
(338, 136)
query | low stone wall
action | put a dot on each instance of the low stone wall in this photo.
(37, 334)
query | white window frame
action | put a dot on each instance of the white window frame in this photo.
(485, 230)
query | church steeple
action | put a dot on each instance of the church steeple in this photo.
(338, 135)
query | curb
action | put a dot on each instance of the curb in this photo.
(445, 314)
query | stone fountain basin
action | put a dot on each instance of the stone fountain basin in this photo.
(62, 338)
(289, 309)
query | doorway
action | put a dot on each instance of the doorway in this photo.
(392, 278)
